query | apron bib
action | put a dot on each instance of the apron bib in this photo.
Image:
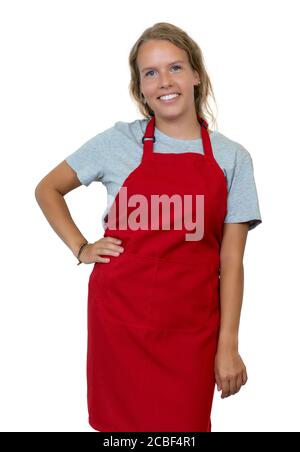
(154, 311)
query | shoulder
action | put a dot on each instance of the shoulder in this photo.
(133, 129)
(229, 150)
(120, 132)
(128, 133)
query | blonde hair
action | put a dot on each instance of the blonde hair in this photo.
(177, 36)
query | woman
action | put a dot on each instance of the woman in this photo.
(164, 307)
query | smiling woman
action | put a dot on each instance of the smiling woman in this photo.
(168, 91)
(163, 308)
(166, 61)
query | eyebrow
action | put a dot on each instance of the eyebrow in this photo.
(153, 67)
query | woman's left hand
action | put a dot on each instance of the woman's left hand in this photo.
(230, 372)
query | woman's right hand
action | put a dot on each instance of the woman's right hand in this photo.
(105, 246)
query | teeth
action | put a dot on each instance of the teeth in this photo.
(170, 96)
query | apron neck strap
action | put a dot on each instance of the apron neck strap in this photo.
(149, 138)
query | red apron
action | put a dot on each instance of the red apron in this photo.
(153, 311)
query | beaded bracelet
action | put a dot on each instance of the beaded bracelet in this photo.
(80, 249)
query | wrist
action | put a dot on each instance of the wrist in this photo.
(81, 248)
(228, 341)
(76, 246)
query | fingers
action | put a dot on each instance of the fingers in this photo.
(230, 372)
(103, 260)
(218, 382)
(96, 252)
(239, 382)
(112, 240)
(231, 386)
(108, 246)
(111, 249)
(225, 389)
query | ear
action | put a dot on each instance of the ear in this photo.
(196, 77)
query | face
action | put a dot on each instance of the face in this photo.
(164, 68)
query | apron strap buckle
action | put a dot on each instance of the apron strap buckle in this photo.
(148, 138)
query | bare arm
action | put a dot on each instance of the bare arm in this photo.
(230, 369)
(50, 193)
(232, 281)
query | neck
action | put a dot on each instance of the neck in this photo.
(187, 128)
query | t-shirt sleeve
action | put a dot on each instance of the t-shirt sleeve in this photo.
(89, 160)
(242, 199)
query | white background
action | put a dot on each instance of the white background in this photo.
(64, 78)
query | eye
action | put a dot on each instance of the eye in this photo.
(174, 65)
(148, 73)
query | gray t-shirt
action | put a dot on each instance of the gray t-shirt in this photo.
(111, 155)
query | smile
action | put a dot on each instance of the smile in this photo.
(169, 98)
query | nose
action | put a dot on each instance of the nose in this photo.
(166, 80)
(165, 83)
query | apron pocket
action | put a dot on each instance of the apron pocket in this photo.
(182, 295)
(129, 282)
